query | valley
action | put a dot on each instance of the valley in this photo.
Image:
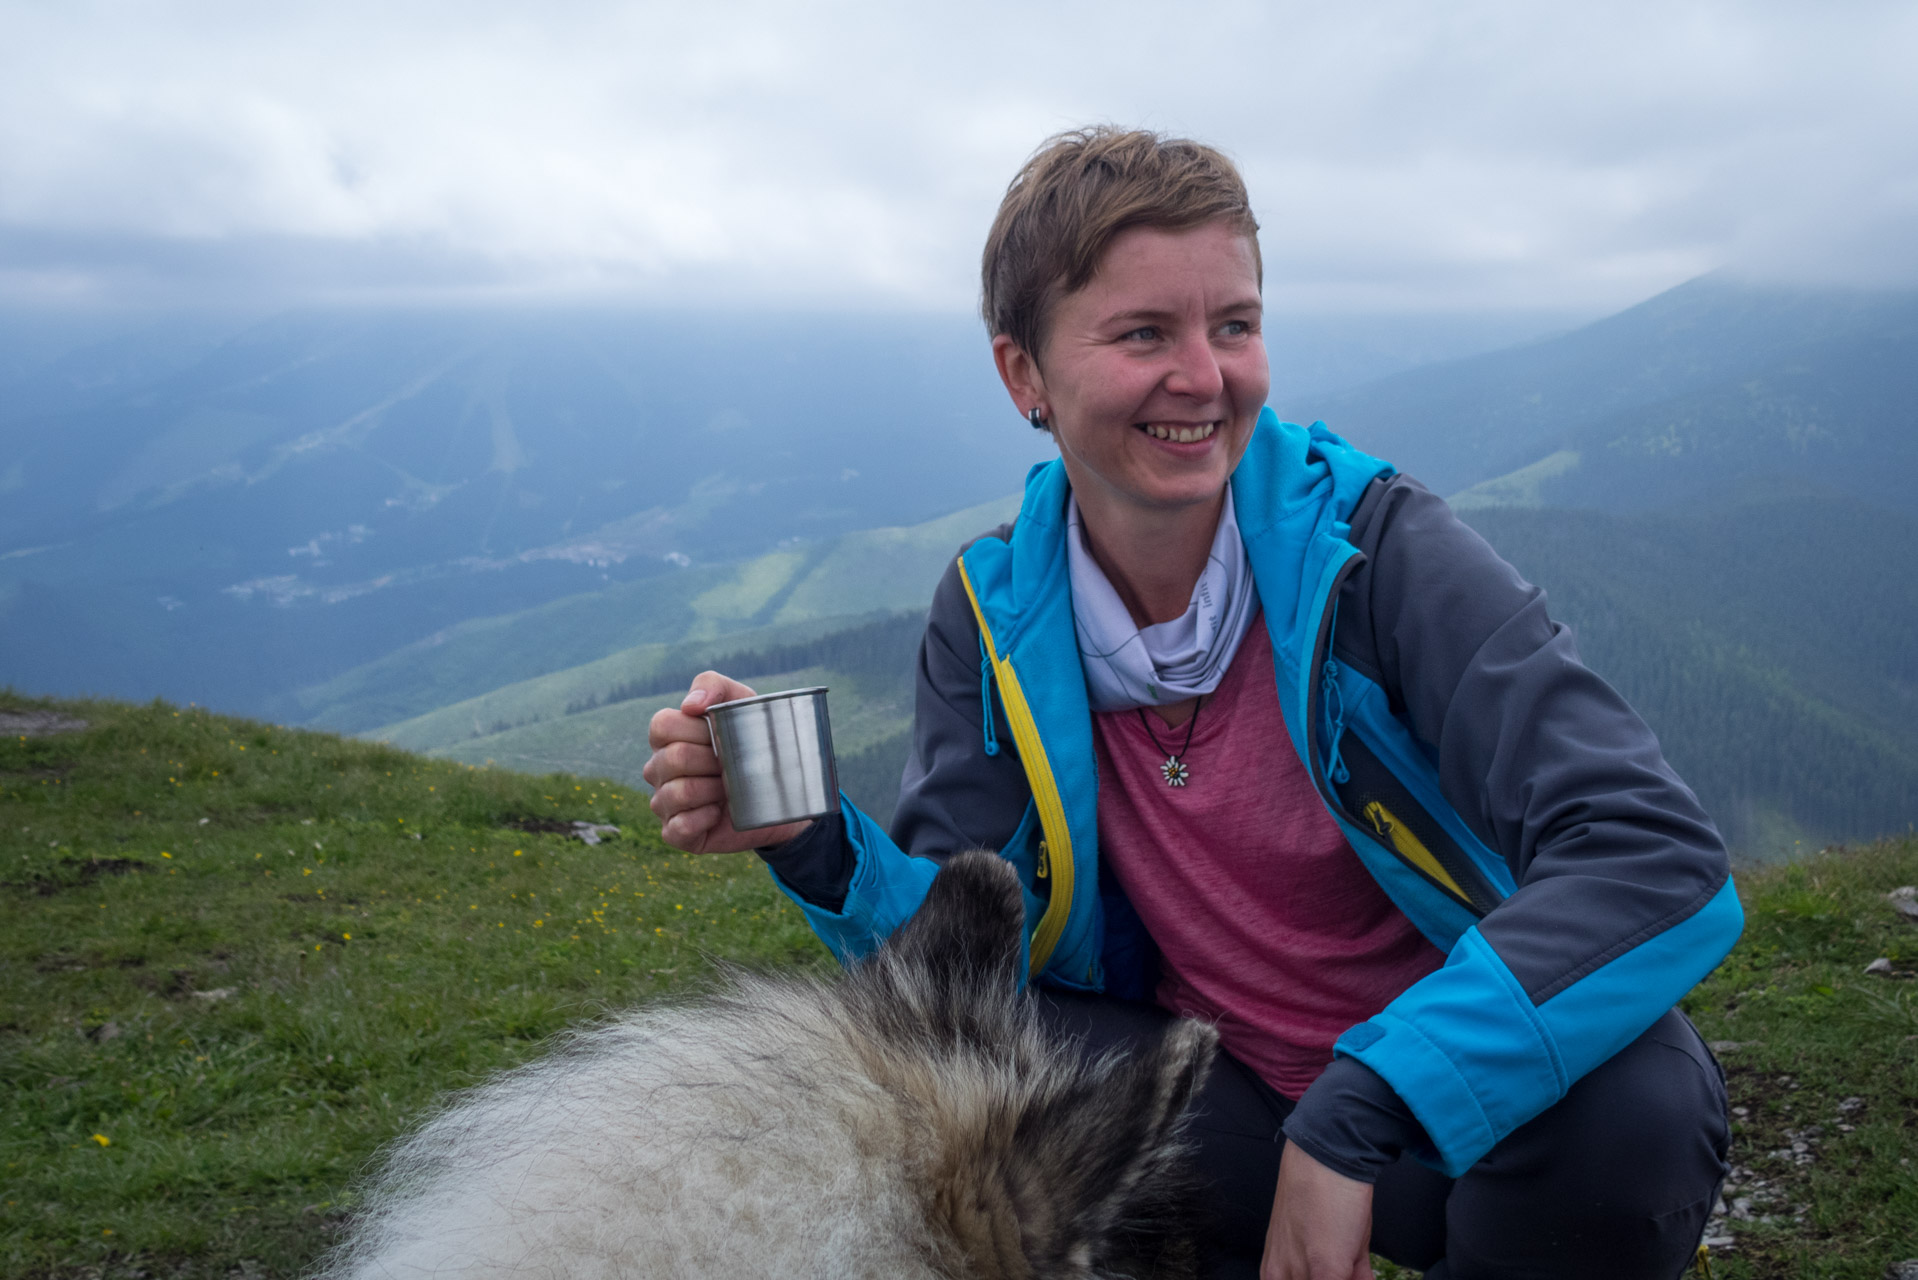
(493, 538)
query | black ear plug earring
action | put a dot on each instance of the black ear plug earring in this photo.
(1037, 419)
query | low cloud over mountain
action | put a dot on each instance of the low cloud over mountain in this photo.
(1485, 154)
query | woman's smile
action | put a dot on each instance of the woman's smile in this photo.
(1181, 434)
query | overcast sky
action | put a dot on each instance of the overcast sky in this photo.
(1402, 156)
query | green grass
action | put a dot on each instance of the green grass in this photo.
(238, 959)
(1827, 1056)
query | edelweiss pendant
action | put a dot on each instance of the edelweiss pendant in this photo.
(1175, 771)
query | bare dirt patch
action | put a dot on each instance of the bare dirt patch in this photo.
(172, 984)
(74, 873)
(61, 962)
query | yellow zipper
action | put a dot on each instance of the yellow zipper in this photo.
(1057, 860)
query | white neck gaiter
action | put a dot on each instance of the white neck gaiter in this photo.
(1127, 666)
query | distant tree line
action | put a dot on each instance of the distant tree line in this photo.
(492, 727)
(885, 649)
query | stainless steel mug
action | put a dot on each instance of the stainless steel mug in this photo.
(775, 753)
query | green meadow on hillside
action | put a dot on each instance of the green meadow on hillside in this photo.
(240, 958)
(847, 579)
(594, 717)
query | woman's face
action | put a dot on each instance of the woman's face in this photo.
(1153, 374)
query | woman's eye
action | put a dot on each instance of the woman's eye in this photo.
(1144, 333)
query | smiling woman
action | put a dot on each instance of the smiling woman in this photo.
(1430, 878)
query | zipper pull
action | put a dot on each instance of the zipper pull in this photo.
(985, 696)
(1335, 710)
(1044, 868)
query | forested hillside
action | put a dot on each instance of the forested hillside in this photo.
(1769, 644)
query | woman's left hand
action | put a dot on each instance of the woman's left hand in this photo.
(1321, 1225)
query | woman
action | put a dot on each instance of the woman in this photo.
(1215, 658)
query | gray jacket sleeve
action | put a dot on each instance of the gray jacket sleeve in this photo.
(1545, 761)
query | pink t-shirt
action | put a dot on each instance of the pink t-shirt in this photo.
(1267, 922)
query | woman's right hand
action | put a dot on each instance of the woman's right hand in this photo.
(689, 796)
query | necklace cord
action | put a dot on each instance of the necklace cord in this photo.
(1190, 725)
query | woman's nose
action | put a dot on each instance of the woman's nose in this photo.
(1195, 370)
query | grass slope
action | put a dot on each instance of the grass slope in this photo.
(242, 958)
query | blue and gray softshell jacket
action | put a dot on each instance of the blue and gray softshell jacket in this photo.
(1504, 797)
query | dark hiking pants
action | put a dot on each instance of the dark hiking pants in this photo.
(1614, 1182)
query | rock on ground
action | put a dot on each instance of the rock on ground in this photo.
(37, 724)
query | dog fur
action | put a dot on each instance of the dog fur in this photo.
(909, 1119)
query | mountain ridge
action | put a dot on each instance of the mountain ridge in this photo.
(1463, 422)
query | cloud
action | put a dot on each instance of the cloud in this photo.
(1401, 155)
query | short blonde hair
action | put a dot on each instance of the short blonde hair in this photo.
(1079, 190)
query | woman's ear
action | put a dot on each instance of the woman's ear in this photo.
(1020, 372)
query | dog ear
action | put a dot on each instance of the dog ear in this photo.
(970, 930)
(1112, 1152)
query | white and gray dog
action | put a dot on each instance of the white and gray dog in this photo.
(909, 1119)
